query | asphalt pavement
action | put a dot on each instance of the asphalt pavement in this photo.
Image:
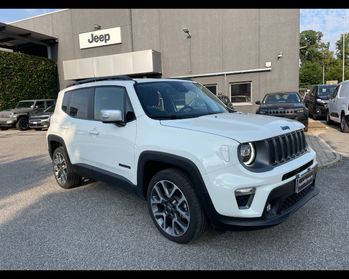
(100, 226)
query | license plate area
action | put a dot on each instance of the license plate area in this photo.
(304, 180)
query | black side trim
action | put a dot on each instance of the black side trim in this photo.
(185, 165)
(125, 166)
(54, 138)
(103, 175)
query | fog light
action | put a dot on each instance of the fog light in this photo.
(244, 197)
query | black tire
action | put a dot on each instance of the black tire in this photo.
(344, 124)
(22, 124)
(328, 119)
(72, 179)
(196, 223)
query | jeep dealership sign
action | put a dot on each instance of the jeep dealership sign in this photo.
(99, 38)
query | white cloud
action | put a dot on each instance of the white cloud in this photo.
(329, 21)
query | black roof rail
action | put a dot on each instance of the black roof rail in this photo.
(184, 78)
(121, 77)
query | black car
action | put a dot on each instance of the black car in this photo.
(284, 104)
(40, 120)
(317, 100)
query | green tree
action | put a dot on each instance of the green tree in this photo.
(339, 48)
(310, 73)
(311, 46)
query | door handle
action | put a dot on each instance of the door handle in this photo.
(93, 132)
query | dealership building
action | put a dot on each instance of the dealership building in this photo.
(242, 53)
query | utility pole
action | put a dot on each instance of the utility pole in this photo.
(343, 56)
(323, 73)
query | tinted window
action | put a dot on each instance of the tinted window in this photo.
(50, 103)
(345, 90)
(325, 91)
(50, 109)
(77, 103)
(40, 104)
(281, 98)
(112, 98)
(25, 104)
(177, 99)
(335, 92)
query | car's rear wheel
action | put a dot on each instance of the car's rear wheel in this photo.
(22, 124)
(174, 206)
(63, 171)
(344, 124)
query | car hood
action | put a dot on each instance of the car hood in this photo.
(282, 106)
(242, 127)
(41, 114)
(6, 113)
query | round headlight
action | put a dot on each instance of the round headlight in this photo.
(247, 153)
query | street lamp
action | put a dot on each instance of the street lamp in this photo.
(343, 49)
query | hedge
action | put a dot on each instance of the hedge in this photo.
(24, 77)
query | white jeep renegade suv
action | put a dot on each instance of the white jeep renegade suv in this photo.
(176, 145)
(338, 106)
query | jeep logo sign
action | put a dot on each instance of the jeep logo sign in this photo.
(99, 38)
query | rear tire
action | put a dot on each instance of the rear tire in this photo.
(174, 206)
(344, 124)
(22, 124)
(63, 171)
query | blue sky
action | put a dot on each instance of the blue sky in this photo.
(329, 21)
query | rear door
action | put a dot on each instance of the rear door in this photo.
(333, 105)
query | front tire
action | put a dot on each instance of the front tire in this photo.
(22, 124)
(63, 171)
(328, 119)
(174, 206)
(344, 124)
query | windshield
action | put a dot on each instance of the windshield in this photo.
(50, 109)
(281, 98)
(177, 100)
(24, 104)
(325, 91)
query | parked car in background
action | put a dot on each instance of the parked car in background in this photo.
(19, 116)
(284, 104)
(226, 101)
(338, 106)
(317, 100)
(41, 120)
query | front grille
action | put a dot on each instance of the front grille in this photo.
(280, 112)
(293, 199)
(286, 147)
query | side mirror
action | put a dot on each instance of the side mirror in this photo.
(113, 116)
(258, 102)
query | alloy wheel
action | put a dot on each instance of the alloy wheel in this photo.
(170, 208)
(60, 168)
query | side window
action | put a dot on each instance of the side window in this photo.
(336, 92)
(344, 93)
(110, 97)
(49, 103)
(80, 102)
(40, 105)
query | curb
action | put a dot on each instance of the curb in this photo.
(338, 157)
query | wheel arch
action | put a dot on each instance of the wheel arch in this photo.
(151, 162)
(53, 142)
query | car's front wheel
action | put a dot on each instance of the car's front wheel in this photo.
(63, 171)
(328, 119)
(22, 124)
(344, 124)
(174, 206)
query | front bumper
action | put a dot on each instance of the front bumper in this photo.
(7, 122)
(284, 202)
(39, 123)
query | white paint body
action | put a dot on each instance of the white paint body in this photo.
(340, 103)
(198, 139)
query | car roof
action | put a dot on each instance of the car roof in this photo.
(34, 100)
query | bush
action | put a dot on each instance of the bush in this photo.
(24, 77)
